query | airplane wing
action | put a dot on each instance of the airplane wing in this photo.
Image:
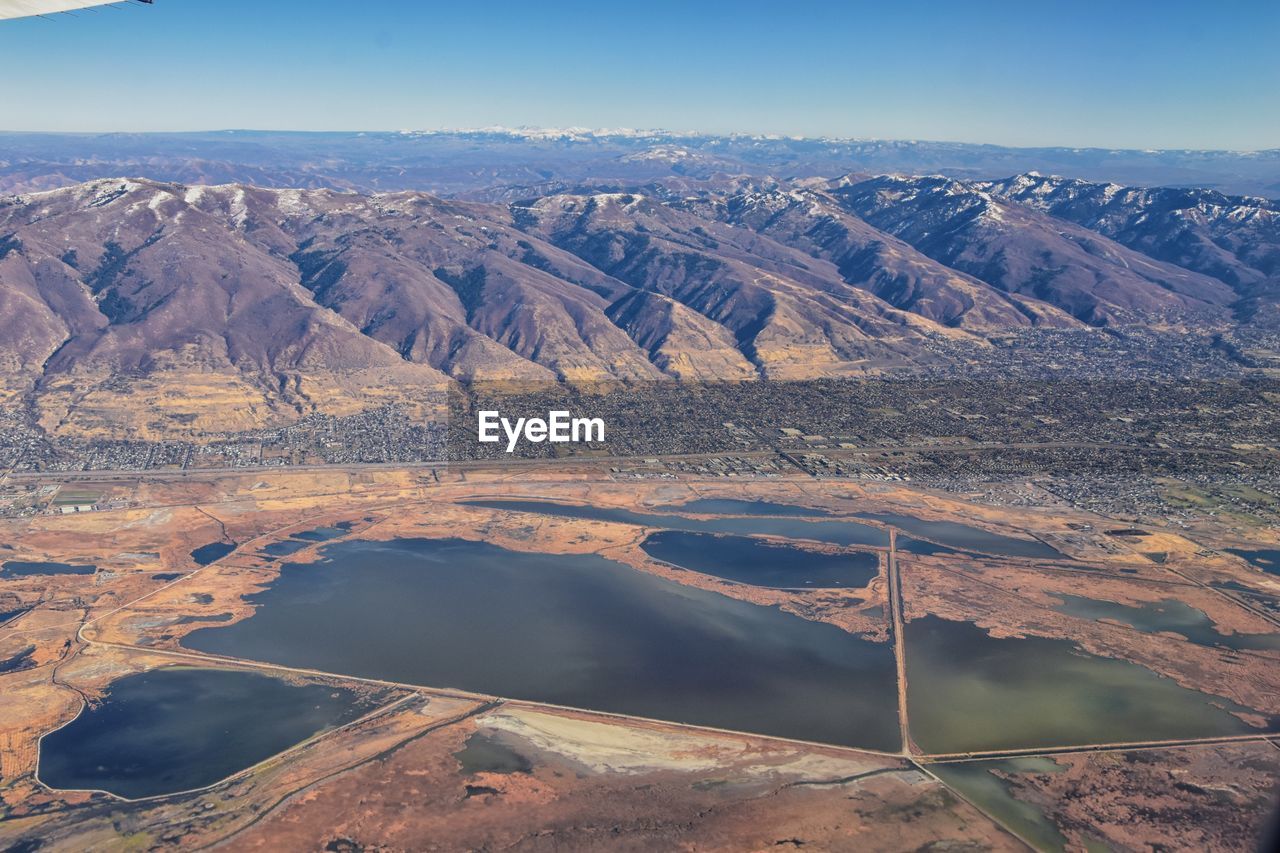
(29, 8)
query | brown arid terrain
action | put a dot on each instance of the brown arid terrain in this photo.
(393, 779)
(153, 310)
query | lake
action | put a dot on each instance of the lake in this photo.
(21, 568)
(173, 730)
(575, 630)
(970, 691)
(760, 562)
(1166, 615)
(206, 554)
(1267, 559)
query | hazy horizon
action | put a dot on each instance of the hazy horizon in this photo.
(614, 132)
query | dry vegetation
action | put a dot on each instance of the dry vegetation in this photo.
(392, 778)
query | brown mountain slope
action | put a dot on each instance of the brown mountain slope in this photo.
(141, 314)
(789, 313)
(872, 260)
(679, 340)
(153, 309)
(1019, 250)
(1235, 239)
(144, 309)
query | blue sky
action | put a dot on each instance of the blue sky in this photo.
(1124, 73)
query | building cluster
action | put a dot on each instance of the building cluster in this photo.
(1121, 447)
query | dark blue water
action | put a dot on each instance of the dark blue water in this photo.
(206, 554)
(1267, 559)
(6, 615)
(285, 547)
(20, 568)
(575, 630)
(970, 691)
(759, 562)
(176, 729)
(1167, 615)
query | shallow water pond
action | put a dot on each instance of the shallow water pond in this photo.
(970, 691)
(1167, 615)
(761, 562)
(206, 554)
(987, 783)
(23, 568)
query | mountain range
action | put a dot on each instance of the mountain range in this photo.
(454, 162)
(152, 309)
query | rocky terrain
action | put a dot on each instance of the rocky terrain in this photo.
(1230, 239)
(153, 309)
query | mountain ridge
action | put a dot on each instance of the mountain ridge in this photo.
(163, 308)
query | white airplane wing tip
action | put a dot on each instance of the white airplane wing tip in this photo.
(32, 8)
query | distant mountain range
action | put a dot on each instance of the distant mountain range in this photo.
(462, 161)
(152, 308)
